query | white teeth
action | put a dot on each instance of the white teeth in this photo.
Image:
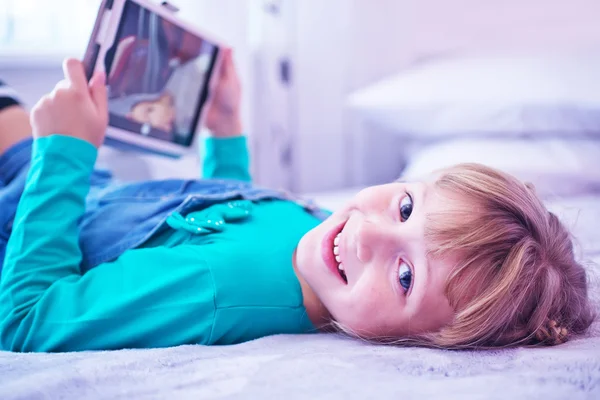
(336, 252)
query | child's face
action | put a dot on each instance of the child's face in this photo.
(160, 113)
(392, 288)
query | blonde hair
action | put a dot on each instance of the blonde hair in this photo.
(518, 282)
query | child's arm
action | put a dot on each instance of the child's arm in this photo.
(225, 153)
(147, 298)
(226, 158)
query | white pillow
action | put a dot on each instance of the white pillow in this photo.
(555, 167)
(476, 96)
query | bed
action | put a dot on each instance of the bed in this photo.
(327, 365)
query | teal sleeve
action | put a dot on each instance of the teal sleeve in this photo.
(46, 304)
(226, 158)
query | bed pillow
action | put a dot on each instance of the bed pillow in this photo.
(488, 96)
(555, 167)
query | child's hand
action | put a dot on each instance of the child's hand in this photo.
(74, 108)
(223, 110)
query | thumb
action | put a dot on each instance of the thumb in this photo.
(226, 63)
(99, 92)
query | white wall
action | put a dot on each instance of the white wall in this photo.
(386, 33)
(320, 87)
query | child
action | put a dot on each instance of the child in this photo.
(467, 259)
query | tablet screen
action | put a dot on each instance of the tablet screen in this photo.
(158, 75)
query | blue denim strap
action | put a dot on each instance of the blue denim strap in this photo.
(13, 160)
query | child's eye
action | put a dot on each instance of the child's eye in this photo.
(406, 206)
(405, 276)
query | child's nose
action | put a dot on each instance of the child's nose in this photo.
(374, 238)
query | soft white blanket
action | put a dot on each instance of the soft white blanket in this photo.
(306, 367)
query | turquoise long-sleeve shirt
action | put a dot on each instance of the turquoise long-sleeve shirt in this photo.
(225, 287)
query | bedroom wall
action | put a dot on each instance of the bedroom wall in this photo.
(387, 33)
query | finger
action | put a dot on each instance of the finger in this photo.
(227, 64)
(98, 92)
(64, 84)
(99, 78)
(75, 73)
(232, 72)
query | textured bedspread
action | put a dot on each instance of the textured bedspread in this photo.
(303, 367)
(318, 367)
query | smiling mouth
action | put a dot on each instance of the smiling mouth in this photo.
(338, 259)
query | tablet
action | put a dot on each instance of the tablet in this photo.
(159, 73)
